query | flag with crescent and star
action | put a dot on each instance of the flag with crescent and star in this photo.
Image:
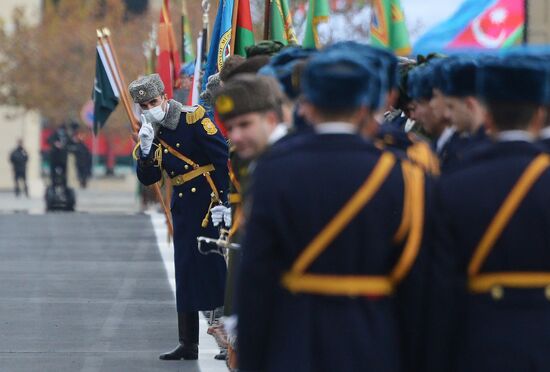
(477, 24)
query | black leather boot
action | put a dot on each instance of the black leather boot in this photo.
(188, 330)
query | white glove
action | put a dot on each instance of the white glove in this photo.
(227, 217)
(146, 135)
(220, 213)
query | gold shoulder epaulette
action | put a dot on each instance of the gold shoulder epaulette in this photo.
(193, 113)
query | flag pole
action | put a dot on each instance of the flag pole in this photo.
(267, 19)
(107, 36)
(119, 79)
(234, 26)
(205, 23)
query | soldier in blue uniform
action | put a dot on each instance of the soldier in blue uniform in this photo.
(464, 110)
(331, 276)
(431, 108)
(286, 67)
(188, 146)
(490, 289)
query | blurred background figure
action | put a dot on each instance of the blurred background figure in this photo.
(19, 159)
(83, 158)
(186, 74)
(59, 144)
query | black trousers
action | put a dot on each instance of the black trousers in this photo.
(20, 178)
(188, 328)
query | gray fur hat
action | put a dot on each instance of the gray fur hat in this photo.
(146, 88)
(212, 86)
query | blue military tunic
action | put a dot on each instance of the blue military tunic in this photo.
(545, 138)
(502, 329)
(459, 145)
(297, 188)
(200, 279)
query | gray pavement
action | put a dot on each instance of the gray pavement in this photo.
(86, 291)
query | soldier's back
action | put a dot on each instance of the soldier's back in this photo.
(486, 303)
(299, 187)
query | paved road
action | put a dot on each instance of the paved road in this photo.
(86, 291)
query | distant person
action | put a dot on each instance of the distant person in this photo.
(59, 142)
(186, 74)
(18, 159)
(83, 160)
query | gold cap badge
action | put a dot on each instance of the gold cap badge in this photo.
(224, 104)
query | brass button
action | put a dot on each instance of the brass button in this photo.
(193, 189)
(497, 292)
(180, 195)
(547, 292)
(166, 151)
(177, 145)
(186, 166)
(172, 173)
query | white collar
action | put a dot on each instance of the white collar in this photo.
(279, 132)
(514, 135)
(444, 138)
(337, 127)
(545, 133)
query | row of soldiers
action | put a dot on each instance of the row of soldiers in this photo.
(392, 213)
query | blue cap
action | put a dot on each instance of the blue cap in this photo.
(513, 80)
(281, 67)
(539, 56)
(339, 80)
(459, 77)
(188, 69)
(437, 73)
(420, 83)
(384, 63)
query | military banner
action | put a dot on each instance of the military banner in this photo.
(105, 94)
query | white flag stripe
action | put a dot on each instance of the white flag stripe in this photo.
(197, 75)
(110, 74)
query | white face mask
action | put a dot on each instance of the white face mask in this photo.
(155, 115)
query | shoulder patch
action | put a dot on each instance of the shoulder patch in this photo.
(209, 127)
(193, 113)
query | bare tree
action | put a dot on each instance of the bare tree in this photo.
(49, 67)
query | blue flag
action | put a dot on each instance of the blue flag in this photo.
(221, 40)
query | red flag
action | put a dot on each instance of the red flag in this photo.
(168, 64)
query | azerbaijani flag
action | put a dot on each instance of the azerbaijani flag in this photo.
(168, 63)
(220, 43)
(281, 28)
(244, 35)
(477, 24)
(388, 27)
(318, 12)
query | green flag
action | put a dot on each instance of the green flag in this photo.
(281, 28)
(317, 13)
(106, 94)
(188, 55)
(388, 27)
(244, 34)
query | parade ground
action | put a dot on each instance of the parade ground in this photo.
(88, 291)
